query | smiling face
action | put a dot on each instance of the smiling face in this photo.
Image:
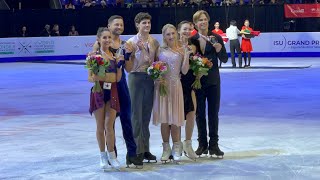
(144, 26)
(170, 35)
(104, 39)
(185, 30)
(116, 27)
(203, 22)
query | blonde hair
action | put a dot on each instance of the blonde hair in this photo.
(164, 29)
(197, 15)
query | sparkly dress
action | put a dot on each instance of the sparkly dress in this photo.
(97, 100)
(170, 108)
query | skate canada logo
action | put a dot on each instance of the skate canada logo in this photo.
(44, 46)
(7, 47)
(24, 47)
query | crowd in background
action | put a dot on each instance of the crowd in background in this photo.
(74, 4)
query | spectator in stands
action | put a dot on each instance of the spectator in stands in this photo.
(165, 3)
(128, 3)
(87, 3)
(23, 32)
(73, 31)
(273, 2)
(119, 3)
(46, 31)
(111, 3)
(55, 30)
(103, 4)
(69, 5)
(94, 4)
(192, 3)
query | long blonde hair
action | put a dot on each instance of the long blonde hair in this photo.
(164, 29)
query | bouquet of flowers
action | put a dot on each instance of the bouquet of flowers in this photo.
(156, 71)
(200, 67)
(98, 65)
(246, 33)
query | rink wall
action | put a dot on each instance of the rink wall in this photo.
(298, 44)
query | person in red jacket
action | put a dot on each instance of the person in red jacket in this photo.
(217, 29)
(193, 30)
(246, 46)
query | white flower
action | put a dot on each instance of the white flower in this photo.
(149, 70)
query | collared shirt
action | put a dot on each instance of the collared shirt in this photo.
(232, 32)
(142, 59)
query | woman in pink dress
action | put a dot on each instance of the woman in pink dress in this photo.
(169, 110)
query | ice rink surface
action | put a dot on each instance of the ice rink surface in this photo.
(269, 125)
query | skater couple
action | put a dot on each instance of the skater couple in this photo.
(182, 101)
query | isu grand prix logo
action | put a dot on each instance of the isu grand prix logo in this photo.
(280, 42)
(24, 47)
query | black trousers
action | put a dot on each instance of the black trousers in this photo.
(235, 46)
(210, 94)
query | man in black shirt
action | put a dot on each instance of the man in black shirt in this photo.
(212, 47)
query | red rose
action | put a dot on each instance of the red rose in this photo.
(100, 62)
(98, 58)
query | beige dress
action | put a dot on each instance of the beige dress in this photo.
(170, 108)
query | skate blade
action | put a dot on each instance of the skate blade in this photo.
(132, 166)
(116, 168)
(177, 162)
(165, 161)
(216, 156)
(202, 155)
(150, 161)
(193, 159)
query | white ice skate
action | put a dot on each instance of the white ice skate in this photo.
(166, 152)
(104, 161)
(176, 152)
(188, 150)
(114, 161)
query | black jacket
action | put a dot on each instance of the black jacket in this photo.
(213, 77)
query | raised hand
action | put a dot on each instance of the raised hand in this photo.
(218, 47)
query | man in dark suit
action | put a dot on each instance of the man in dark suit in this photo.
(209, 45)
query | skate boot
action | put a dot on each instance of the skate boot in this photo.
(188, 151)
(202, 150)
(150, 157)
(104, 161)
(114, 161)
(166, 152)
(215, 150)
(177, 151)
(135, 160)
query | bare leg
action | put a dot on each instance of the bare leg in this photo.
(175, 133)
(165, 132)
(99, 115)
(109, 125)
